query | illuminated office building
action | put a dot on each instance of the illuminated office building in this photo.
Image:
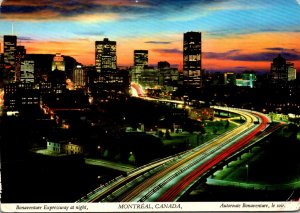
(105, 55)
(192, 55)
(27, 71)
(10, 45)
(247, 79)
(282, 71)
(278, 70)
(58, 63)
(292, 73)
(78, 77)
(20, 55)
(140, 59)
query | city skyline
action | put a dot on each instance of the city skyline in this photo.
(237, 35)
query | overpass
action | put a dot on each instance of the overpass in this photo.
(168, 179)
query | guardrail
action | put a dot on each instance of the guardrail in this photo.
(294, 185)
(170, 158)
(185, 168)
(174, 158)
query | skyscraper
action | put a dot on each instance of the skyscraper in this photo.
(105, 55)
(292, 73)
(20, 55)
(79, 77)
(10, 45)
(27, 71)
(282, 71)
(192, 55)
(140, 59)
(58, 63)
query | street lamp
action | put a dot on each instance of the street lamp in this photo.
(99, 150)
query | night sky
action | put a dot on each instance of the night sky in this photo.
(237, 34)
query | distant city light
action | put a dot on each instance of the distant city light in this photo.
(12, 113)
(70, 84)
(1, 98)
(136, 90)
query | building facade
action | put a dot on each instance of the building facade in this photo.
(10, 46)
(20, 56)
(79, 77)
(292, 73)
(192, 59)
(140, 59)
(63, 147)
(27, 71)
(58, 63)
(21, 96)
(105, 55)
(279, 70)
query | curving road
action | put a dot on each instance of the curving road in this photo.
(171, 182)
(169, 179)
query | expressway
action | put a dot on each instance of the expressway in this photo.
(170, 178)
(159, 186)
(109, 164)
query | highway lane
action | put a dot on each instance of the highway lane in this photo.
(118, 182)
(109, 164)
(157, 181)
(114, 185)
(174, 192)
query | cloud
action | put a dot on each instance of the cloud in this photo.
(158, 42)
(263, 56)
(237, 55)
(224, 55)
(24, 38)
(241, 67)
(79, 10)
(168, 51)
(280, 49)
(122, 9)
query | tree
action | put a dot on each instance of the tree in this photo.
(168, 136)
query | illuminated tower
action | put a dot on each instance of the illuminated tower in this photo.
(279, 72)
(140, 59)
(10, 45)
(58, 63)
(192, 55)
(78, 77)
(292, 73)
(27, 71)
(105, 55)
(20, 55)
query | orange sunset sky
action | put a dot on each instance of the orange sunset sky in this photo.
(236, 34)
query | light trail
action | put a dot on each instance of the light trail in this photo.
(155, 182)
(157, 179)
(176, 190)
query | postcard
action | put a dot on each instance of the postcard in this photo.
(150, 106)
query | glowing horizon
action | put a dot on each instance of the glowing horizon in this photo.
(236, 35)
